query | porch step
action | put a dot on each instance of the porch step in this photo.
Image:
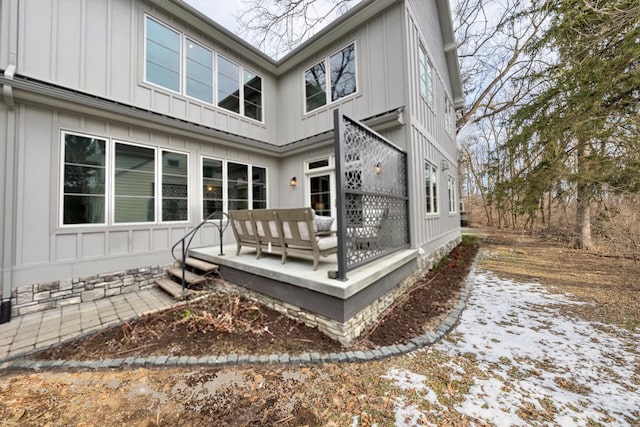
(189, 277)
(172, 288)
(204, 266)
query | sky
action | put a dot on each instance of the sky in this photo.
(223, 12)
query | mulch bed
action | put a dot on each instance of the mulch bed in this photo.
(224, 323)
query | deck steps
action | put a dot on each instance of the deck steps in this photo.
(203, 266)
(198, 273)
(172, 288)
(189, 277)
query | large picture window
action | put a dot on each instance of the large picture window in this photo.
(232, 186)
(108, 182)
(425, 74)
(84, 179)
(431, 188)
(342, 79)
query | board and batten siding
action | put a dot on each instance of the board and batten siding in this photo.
(380, 73)
(429, 138)
(46, 250)
(97, 47)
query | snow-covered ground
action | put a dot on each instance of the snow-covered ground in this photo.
(538, 367)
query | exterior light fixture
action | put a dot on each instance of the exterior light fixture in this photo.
(293, 182)
(378, 168)
(445, 165)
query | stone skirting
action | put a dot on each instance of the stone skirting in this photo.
(59, 293)
(349, 331)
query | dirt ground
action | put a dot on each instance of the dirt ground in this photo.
(328, 395)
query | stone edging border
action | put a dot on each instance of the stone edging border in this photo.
(379, 353)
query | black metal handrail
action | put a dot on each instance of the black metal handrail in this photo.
(191, 234)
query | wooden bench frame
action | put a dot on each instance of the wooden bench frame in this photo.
(284, 231)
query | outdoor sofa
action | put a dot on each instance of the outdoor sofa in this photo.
(289, 232)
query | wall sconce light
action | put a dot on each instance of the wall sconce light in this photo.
(378, 168)
(293, 182)
(445, 165)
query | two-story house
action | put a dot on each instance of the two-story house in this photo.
(125, 123)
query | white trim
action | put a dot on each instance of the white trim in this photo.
(144, 59)
(327, 61)
(160, 196)
(186, 40)
(61, 165)
(113, 193)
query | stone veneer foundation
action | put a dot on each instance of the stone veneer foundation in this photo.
(350, 330)
(55, 294)
(50, 295)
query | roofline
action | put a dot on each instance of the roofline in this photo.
(450, 51)
(340, 27)
(34, 91)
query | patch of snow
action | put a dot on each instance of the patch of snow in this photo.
(406, 380)
(529, 350)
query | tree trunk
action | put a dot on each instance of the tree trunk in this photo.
(583, 208)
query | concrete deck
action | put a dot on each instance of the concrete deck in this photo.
(299, 272)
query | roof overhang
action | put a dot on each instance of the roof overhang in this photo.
(450, 51)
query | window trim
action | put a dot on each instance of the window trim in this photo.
(107, 180)
(327, 61)
(225, 182)
(429, 97)
(453, 194)
(187, 39)
(184, 38)
(434, 185)
(160, 176)
(109, 196)
(182, 65)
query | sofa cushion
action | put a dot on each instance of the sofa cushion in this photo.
(322, 223)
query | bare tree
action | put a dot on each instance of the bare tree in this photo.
(277, 26)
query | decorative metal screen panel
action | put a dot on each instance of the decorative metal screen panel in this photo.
(371, 175)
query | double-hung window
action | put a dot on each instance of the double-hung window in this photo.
(425, 75)
(431, 188)
(114, 182)
(341, 81)
(229, 185)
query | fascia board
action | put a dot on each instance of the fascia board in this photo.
(450, 51)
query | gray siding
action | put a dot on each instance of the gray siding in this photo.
(381, 73)
(97, 47)
(429, 139)
(46, 251)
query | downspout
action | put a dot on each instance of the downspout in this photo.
(10, 33)
(9, 198)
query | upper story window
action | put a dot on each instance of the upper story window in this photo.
(162, 60)
(342, 79)
(108, 182)
(425, 74)
(199, 71)
(449, 117)
(190, 71)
